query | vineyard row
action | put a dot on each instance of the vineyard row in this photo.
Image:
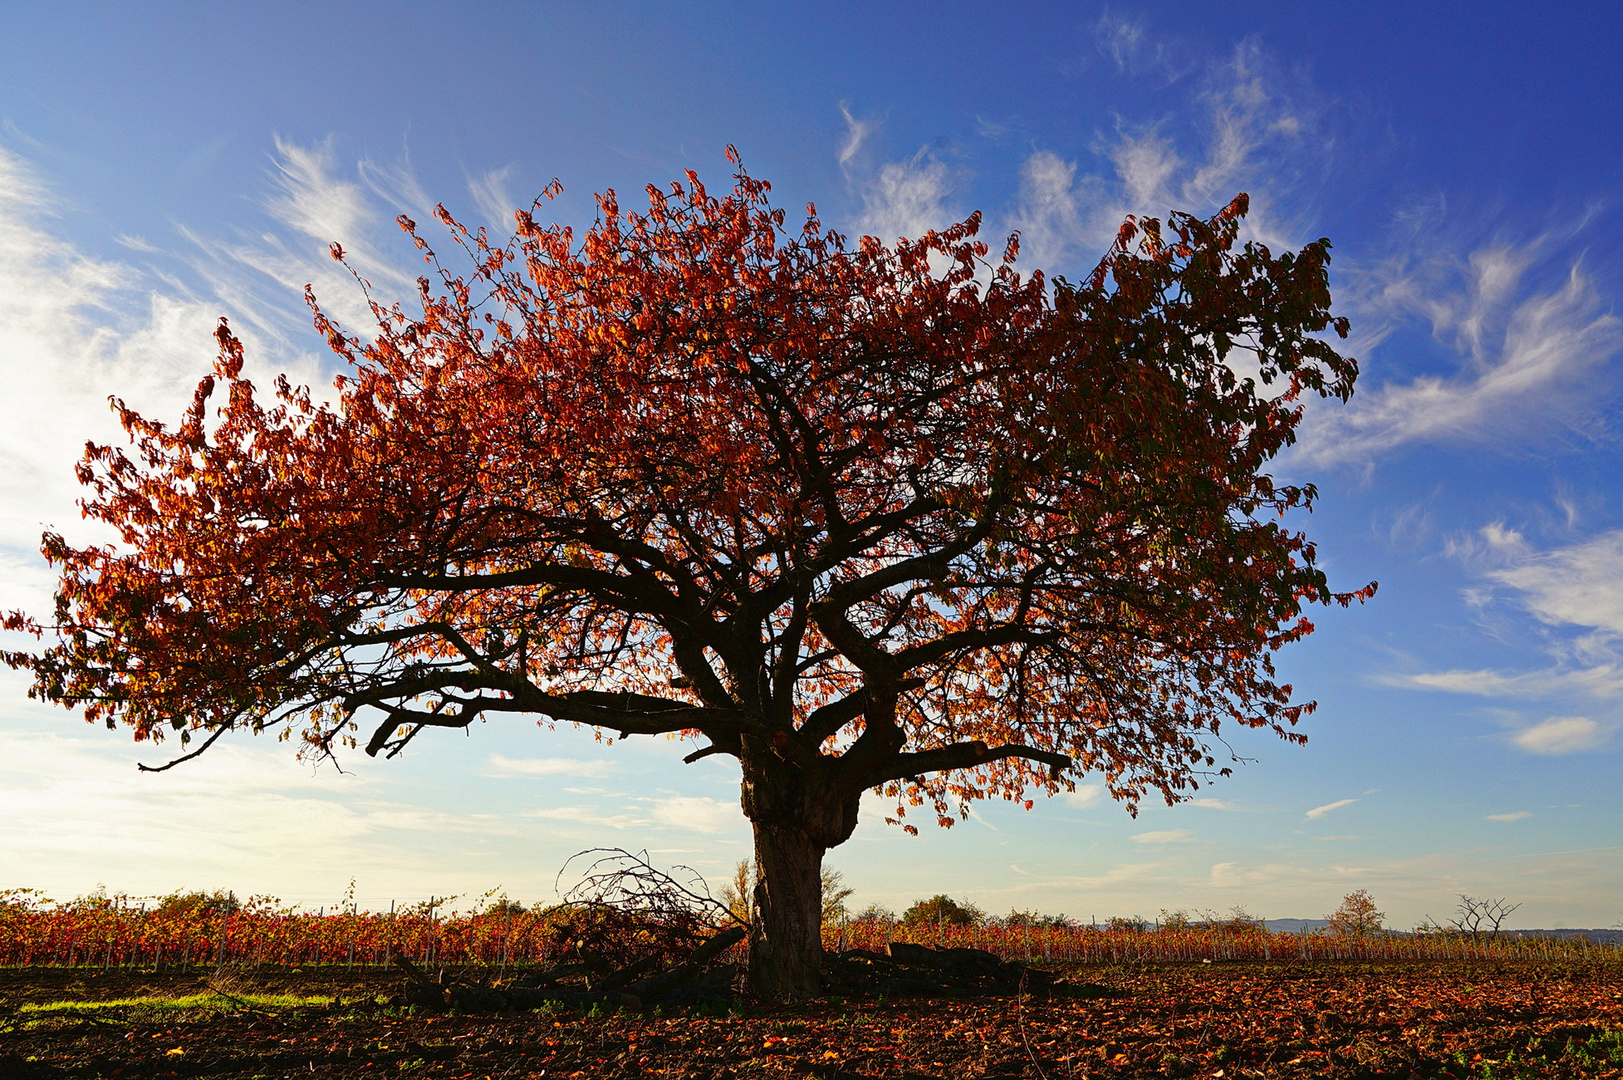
(112, 936)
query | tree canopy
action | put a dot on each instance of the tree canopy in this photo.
(859, 515)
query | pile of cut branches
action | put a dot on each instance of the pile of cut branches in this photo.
(587, 978)
(630, 935)
(626, 934)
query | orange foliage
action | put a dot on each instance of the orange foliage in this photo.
(895, 516)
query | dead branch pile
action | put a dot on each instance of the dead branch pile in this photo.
(630, 935)
(588, 979)
(627, 934)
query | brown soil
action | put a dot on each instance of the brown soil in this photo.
(1219, 1021)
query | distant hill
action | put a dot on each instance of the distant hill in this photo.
(1609, 936)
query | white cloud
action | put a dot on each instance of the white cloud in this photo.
(1527, 358)
(247, 815)
(492, 199)
(498, 765)
(857, 132)
(319, 206)
(74, 330)
(1320, 811)
(1581, 584)
(1055, 213)
(1516, 816)
(1163, 836)
(1119, 38)
(1215, 804)
(1256, 138)
(586, 815)
(1128, 43)
(1084, 796)
(1561, 735)
(1602, 681)
(698, 813)
(907, 198)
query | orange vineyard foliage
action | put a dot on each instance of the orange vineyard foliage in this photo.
(124, 932)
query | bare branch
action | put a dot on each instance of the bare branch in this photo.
(186, 757)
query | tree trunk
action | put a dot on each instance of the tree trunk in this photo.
(797, 815)
(786, 942)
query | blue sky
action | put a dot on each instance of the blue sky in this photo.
(166, 164)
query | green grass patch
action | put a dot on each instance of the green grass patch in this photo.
(182, 1003)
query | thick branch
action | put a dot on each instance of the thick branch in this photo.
(629, 714)
(962, 756)
(826, 721)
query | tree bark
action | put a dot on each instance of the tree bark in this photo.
(786, 941)
(797, 814)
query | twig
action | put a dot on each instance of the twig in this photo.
(1020, 1019)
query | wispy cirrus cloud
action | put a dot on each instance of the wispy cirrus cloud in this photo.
(493, 198)
(1576, 588)
(1163, 836)
(907, 198)
(696, 813)
(858, 130)
(1561, 735)
(1130, 44)
(1253, 137)
(1525, 321)
(1603, 681)
(1216, 804)
(499, 765)
(75, 330)
(1319, 811)
(1580, 584)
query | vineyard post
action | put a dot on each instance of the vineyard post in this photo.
(507, 941)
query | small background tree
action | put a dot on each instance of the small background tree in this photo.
(739, 894)
(1017, 919)
(1357, 916)
(199, 902)
(1176, 920)
(942, 910)
(1481, 918)
(835, 894)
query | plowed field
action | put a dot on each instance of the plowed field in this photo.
(1204, 1020)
